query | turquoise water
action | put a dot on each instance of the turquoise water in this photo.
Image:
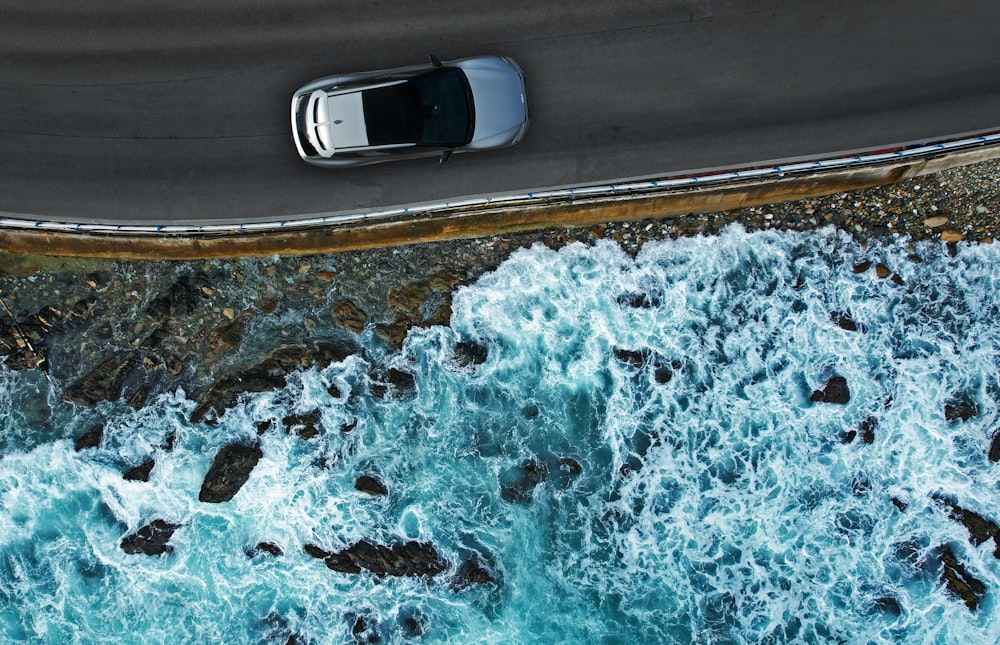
(714, 504)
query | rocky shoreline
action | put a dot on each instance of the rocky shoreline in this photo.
(125, 331)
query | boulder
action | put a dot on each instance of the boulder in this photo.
(960, 410)
(411, 559)
(835, 391)
(269, 374)
(472, 571)
(107, 381)
(229, 471)
(91, 438)
(304, 425)
(980, 529)
(141, 472)
(959, 581)
(994, 454)
(264, 547)
(151, 539)
(370, 485)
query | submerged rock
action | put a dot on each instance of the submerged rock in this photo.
(151, 539)
(959, 581)
(518, 482)
(835, 391)
(229, 471)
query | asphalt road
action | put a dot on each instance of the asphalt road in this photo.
(177, 111)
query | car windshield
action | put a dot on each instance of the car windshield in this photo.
(433, 109)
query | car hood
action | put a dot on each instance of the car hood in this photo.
(500, 102)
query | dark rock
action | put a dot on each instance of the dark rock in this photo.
(664, 372)
(861, 267)
(106, 382)
(169, 441)
(370, 485)
(304, 425)
(472, 571)
(230, 333)
(264, 547)
(868, 429)
(959, 581)
(155, 338)
(836, 391)
(960, 411)
(334, 391)
(849, 436)
(141, 472)
(364, 629)
(151, 539)
(632, 358)
(230, 470)
(412, 623)
(518, 482)
(843, 320)
(402, 383)
(570, 466)
(91, 438)
(897, 279)
(262, 427)
(980, 528)
(349, 427)
(269, 374)
(316, 551)
(994, 454)
(138, 398)
(401, 559)
(327, 352)
(900, 504)
(470, 353)
(637, 300)
(181, 299)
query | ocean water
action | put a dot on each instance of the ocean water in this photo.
(714, 503)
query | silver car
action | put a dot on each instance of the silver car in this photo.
(429, 110)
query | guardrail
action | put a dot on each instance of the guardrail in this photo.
(916, 151)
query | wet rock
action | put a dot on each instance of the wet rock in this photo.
(959, 581)
(472, 571)
(231, 333)
(882, 271)
(835, 391)
(264, 547)
(900, 504)
(91, 438)
(154, 339)
(364, 629)
(106, 382)
(570, 466)
(181, 299)
(637, 300)
(861, 267)
(370, 485)
(632, 358)
(151, 539)
(518, 482)
(395, 332)
(169, 441)
(229, 471)
(980, 529)
(412, 559)
(470, 353)
(867, 430)
(960, 411)
(409, 298)
(267, 375)
(843, 320)
(403, 383)
(304, 425)
(994, 454)
(316, 551)
(141, 472)
(327, 352)
(663, 372)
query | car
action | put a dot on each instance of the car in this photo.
(429, 110)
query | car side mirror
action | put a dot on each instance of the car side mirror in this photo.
(435, 61)
(445, 156)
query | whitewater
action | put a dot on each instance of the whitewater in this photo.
(643, 456)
